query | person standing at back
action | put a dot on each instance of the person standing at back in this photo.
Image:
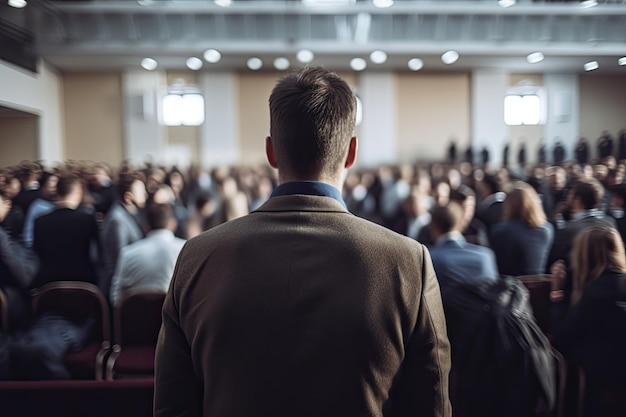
(301, 308)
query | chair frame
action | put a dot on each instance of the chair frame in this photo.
(38, 293)
(116, 349)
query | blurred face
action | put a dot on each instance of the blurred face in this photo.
(139, 194)
(5, 206)
(49, 188)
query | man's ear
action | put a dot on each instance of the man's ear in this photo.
(269, 151)
(352, 149)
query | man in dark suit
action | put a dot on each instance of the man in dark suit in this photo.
(491, 207)
(65, 238)
(583, 201)
(301, 308)
(454, 259)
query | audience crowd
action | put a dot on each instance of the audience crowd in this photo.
(122, 228)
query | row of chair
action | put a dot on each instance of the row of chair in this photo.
(136, 324)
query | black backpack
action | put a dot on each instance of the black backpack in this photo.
(502, 364)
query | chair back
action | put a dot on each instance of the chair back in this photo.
(4, 312)
(539, 287)
(137, 319)
(76, 301)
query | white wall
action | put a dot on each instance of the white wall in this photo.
(40, 94)
(377, 132)
(487, 108)
(563, 121)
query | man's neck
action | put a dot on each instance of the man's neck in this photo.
(131, 208)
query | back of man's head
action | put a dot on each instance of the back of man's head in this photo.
(67, 184)
(312, 119)
(447, 219)
(160, 216)
(589, 192)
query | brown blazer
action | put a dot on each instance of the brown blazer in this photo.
(302, 309)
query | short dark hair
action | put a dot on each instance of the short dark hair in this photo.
(312, 118)
(446, 218)
(126, 180)
(590, 192)
(159, 215)
(68, 181)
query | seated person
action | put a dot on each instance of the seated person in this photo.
(588, 325)
(18, 266)
(454, 259)
(148, 264)
(66, 240)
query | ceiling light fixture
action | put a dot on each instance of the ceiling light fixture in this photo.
(450, 57)
(194, 63)
(281, 63)
(212, 56)
(358, 64)
(327, 2)
(223, 3)
(622, 61)
(18, 4)
(535, 58)
(587, 4)
(305, 56)
(149, 64)
(506, 3)
(415, 64)
(590, 66)
(382, 4)
(378, 57)
(145, 2)
(254, 63)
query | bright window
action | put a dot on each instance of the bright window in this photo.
(522, 110)
(183, 109)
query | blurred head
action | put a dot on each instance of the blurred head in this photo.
(595, 250)
(160, 216)
(48, 188)
(522, 203)
(312, 121)
(70, 190)
(446, 219)
(586, 194)
(5, 206)
(131, 189)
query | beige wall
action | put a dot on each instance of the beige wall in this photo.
(254, 118)
(433, 109)
(18, 139)
(602, 105)
(532, 136)
(93, 117)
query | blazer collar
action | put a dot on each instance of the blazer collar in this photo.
(300, 202)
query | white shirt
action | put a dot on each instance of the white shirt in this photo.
(147, 264)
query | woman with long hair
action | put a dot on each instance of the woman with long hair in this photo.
(522, 240)
(589, 322)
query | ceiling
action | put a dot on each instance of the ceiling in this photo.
(101, 35)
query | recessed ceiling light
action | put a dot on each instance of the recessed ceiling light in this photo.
(281, 63)
(18, 4)
(149, 64)
(145, 2)
(194, 63)
(254, 63)
(450, 57)
(415, 64)
(378, 57)
(327, 2)
(622, 61)
(588, 4)
(223, 3)
(382, 4)
(305, 56)
(535, 57)
(590, 66)
(212, 56)
(506, 3)
(358, 64)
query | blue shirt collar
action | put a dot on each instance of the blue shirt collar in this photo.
(309, 188)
